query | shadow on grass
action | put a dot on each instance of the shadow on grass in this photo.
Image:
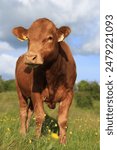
(50, 125)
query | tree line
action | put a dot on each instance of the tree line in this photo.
(85, 92)
(7, 85)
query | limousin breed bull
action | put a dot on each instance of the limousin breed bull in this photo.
(45, 73)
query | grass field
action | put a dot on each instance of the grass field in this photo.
(82, 134)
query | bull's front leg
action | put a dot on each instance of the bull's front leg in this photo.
(63, 115)
(29, 114)
(39, 112)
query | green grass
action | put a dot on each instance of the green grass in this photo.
(82, 134)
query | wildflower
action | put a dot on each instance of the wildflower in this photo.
(8, 129)
(54, 136)
(30, 141)
(49, 131)
(70, 132)
(96, 133)
(80, 126)
(56, 125)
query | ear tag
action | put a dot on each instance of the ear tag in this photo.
(61, 38)
(20, 39)
(25, 38)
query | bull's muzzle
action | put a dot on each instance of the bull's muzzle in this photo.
(33, 59)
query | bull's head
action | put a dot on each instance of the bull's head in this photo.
(43, 38)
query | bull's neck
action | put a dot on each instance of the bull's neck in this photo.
(53, 73)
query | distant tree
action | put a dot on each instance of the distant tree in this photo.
(83, 99)
(84, 86)
(9, 85)
(75, 87)
(95, 90)
(1, 84)
(86, 92)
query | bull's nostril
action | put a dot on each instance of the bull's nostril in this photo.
(34, 58)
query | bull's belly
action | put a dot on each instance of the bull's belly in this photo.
(57, 96)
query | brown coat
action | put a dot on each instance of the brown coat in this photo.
(47, 75)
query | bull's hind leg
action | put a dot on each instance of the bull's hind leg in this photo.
(63, 115)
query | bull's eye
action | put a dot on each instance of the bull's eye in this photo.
(50, 38)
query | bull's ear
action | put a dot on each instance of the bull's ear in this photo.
(63, 32)
(20, 33)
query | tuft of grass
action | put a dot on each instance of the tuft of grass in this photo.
(83, 128)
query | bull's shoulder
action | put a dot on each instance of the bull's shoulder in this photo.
(64, 48)
(20, 63)
(70, 66)
(20, 60)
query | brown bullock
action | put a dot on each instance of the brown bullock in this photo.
(45, 73)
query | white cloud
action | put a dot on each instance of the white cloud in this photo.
(7, 65)
(5, 46)
(91, 46)
(81, 15)
(26, 2)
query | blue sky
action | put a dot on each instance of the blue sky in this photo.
(88, 67)
(82, 16)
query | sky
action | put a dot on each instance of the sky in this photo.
(82, 16)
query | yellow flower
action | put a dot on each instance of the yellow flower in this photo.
(8, 129)
(49, 131)
(30, 141)
(56, 125)
(54, 136)
(96, 133)
(70, 132)
(80, 126)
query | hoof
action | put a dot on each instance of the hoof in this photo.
(22, 132)
(63, 140)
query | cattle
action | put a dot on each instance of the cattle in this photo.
(45, 73)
